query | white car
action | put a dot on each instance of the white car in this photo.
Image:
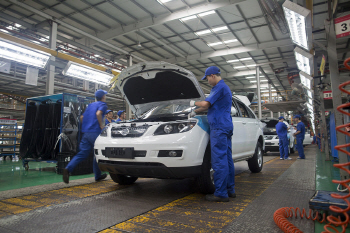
(271, 137)
(163, 142)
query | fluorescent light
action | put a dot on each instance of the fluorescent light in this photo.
(251, 65)
(253, 81)
(189, 18)
(305, 79)
(96, 55)
(245, 59)
(230, 41)
(206, 13)
(265, 91)
(17, 25)
(203, 32)
(216, 43)
(22, 54)
(299, 22)
(4, 30)
(231, 61)
(239, 67)
(219, 29)
(163, 1)
(305, 60)
(87, 73)
(263, 80)
(251, 77)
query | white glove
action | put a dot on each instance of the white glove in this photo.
(191, 114)
(192, 103)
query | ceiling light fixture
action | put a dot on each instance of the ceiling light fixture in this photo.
(216, 43)
(189, 18)
(231, 61)
(230, 41)
(206, 13)
(251, 65)
(299, 22)
(163, 1)
(245, 59)
(305, 60)
(239, 67)
(87, 73)
(203, 32)
(305, 79)
(219, 29)
(23, 54)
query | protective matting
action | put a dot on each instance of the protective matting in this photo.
(293, 188)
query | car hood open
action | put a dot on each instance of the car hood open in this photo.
(149, 84)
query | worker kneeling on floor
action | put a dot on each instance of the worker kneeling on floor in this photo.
(282, 131)
(92, 124)
(218, 104)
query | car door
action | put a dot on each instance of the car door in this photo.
(253, 127)
(239, 137)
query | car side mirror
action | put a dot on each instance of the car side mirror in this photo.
(233, 111)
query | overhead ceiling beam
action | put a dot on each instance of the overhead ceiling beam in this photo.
(239, 49)
(164, 18)
(64, 24)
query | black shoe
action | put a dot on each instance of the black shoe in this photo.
(232, 195)
(212, 197)
(66, 176)
(102, 177)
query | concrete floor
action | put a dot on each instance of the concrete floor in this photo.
(152, 205)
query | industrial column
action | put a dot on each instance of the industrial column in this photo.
(270, 97)
(258, 86)
(128, 110)
(50, 79)
(323, 130)
(335, 82)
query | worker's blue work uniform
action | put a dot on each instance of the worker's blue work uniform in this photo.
(118, 120)
(282, 131)
(300, 139)
(91, 130)
(221, 129)
(319, 141)
(107, 122)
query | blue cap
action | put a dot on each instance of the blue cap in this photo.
(297, 116)
(211, 70)
(120, 112)
(108, 111)
(100, 93)
(281, 117)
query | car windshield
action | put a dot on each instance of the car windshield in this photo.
(167, 110)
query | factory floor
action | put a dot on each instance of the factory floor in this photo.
(38, 201)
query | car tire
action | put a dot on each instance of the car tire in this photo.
(122, 179)
(255, 163)
(206, 181)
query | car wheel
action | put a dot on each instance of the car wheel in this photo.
(255, 163)
(206, 179)
(122, 179)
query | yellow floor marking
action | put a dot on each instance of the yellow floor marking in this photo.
(13, 209)
(23, 203)
(3, 214)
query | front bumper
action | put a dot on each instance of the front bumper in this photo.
(148, 169)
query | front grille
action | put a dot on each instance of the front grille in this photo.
(145, 164)
(128, 132)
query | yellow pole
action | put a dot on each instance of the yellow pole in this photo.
(53, 52)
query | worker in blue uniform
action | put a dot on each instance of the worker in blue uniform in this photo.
(282, 131)
(92, 124)
(218, 104)
(109, 117)
(300, 135)
(121, 115)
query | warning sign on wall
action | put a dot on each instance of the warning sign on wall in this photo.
(327, 95)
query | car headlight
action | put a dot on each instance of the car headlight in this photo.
(104, 132)
(172, 128)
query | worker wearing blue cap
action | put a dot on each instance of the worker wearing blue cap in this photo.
(109, 117)
(218, 104)
(92, 124)
(300, 135)
(282, 131)
(121, 114)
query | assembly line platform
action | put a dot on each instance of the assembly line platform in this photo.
(153, 205)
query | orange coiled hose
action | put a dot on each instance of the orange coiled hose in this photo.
(280, 216)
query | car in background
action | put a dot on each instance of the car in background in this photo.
(162, 142)
(271, 137)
